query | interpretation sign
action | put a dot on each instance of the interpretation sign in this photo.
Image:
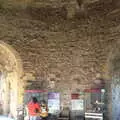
(53, 102)
(77, 103)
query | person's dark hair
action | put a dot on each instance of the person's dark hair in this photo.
(43, 102)
(34, 99)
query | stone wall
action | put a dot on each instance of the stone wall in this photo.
(60, 54)
(71, 48)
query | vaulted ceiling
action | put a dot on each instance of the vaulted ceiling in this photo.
(90, 6)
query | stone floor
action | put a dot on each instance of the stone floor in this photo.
(5, 118)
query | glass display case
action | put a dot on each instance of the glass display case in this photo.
(39, 94)
(95, 104)
(52, 100)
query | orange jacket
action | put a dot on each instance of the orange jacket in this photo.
(32, 108)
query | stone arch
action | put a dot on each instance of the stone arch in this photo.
(12, 84)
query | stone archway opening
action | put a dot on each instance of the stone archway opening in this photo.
(11, 88)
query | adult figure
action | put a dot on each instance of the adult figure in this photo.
(33, 108)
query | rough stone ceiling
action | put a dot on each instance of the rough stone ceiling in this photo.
(109, 6)
(62, 2)
(88, 5)
(39, 9)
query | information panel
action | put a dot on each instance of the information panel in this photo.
(53, 102)
(78, 104)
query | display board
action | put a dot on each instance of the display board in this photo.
(77, 103)
(53, 102)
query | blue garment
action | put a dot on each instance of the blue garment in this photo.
(33, 117)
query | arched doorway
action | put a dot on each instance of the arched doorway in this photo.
(11, 87)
